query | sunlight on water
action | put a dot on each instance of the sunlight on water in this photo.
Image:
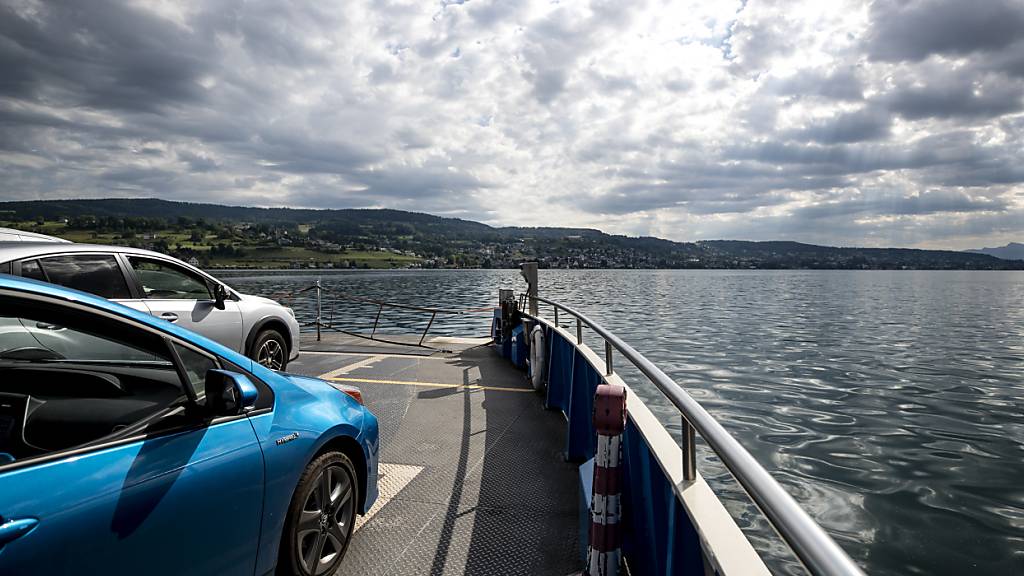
(889, 404)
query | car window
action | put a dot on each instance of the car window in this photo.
(31, 269)
(161, 280)
(95, 273)
(32, 339)
(196, 365)
(70, 378)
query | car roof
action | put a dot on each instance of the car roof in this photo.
(14, 235)
(12, 251)
(18, 250)
(70, 295)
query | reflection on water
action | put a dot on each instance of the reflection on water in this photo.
(890, 404)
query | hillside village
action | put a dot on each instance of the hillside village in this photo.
(236, 237)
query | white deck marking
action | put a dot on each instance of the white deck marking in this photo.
(353, 366)
(391, 480)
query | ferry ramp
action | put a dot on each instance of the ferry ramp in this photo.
(472, 476)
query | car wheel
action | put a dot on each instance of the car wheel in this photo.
(320, 518)
(270, 350)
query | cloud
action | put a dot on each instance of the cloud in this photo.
(917, 29)
(925, 203)
(765, 30)
(106, 55)
(957, 94)
(841, 122)
(856, 126)
(837, 84)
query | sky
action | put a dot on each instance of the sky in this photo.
(846, 123)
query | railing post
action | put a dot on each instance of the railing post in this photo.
(330, 319)
(579, 331)
(608, 358)
(556, 315)
(376, 320)
(689, 451)
(319, 309)
(529, 272)
(604, 552)
(425, 330)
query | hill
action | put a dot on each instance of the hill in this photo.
(218, 235)
(1012, 251)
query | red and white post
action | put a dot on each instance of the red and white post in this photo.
(604, 553)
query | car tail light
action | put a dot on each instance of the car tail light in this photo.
(352, 391)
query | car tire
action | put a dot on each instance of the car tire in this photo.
(270, 349)
(315, 539)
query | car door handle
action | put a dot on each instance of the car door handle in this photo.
(169, 316)
(14, 529)
(48, 326)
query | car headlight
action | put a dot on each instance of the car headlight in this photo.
(290, 311)
(352, 391)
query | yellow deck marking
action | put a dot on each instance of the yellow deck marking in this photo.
(382, 355)
(429, 384)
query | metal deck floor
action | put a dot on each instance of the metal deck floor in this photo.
(472, 477)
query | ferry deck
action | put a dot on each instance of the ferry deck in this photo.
(481, 473)
(472, 478)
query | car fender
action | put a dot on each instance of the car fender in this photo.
(308, 415)
(258, 327)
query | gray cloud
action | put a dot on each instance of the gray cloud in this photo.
(839, 84)
(487, 13)
(928, 202)
(931, 231)
(754, 120)
(957, 94)
(198, 162)
(110, 77)
(104, 55)
(917, 29)
(857, 126)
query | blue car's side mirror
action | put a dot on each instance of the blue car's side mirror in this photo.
(229, 393)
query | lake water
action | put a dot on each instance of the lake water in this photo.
(889, 404)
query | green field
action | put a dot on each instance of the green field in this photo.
(265, 254)
(285, 256)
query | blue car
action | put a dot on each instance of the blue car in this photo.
(129, 445)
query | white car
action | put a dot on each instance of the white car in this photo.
(12, 235)
(166, 288)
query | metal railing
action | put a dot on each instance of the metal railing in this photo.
(814, 548)
(335, 295)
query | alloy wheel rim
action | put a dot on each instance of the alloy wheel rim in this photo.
(271, 355)
(324, 522)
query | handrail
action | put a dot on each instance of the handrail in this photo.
(809, 542)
